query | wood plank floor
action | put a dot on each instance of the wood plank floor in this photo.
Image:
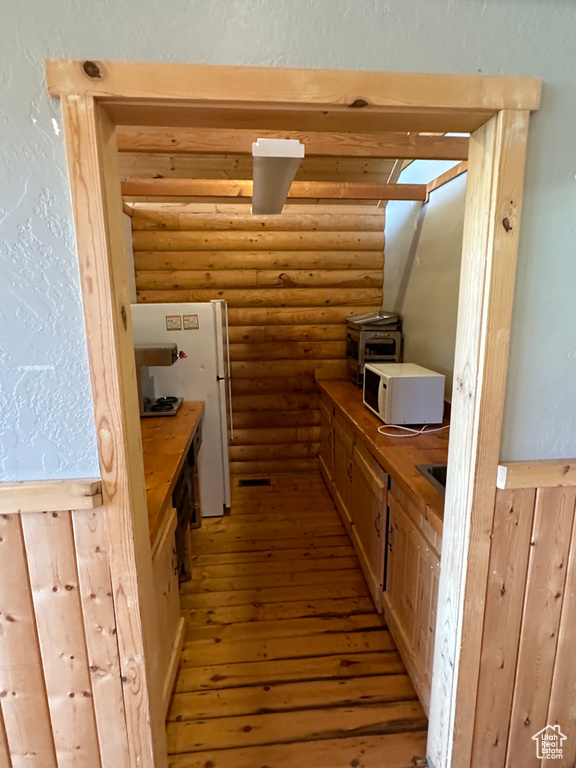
(286, 664)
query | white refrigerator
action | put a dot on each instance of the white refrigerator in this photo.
(201, 331)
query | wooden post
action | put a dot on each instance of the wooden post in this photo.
(492, 222)
(97, 204)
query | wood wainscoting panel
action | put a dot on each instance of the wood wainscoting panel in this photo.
(96, 598)
(290, 282)
(509, 554)
(55, 591)
(562, 708)
(5, 758)
(23, 698)
(543, 605)
(528, 669)
(61, 691)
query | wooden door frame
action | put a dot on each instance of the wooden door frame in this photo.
(97, 96)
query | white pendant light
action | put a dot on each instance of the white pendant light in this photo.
(276, 162)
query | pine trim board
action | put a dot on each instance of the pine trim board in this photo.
(292, 88)
(50, 495)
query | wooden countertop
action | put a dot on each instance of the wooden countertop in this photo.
(398, 456)
(165, 443)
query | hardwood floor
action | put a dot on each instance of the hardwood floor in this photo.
(286, 664)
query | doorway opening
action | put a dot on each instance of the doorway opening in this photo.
(98, 97)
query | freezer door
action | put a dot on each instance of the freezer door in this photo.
(193, 378)
(224, 387)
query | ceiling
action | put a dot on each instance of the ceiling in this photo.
(366, 163)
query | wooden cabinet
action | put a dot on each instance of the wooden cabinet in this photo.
(411, 590)
(368, 504)
(358, 485)
(170, 622)
(326, 441)
(397, 539)
(342, 476)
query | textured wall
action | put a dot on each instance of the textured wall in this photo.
(45, 409)
(422, 274)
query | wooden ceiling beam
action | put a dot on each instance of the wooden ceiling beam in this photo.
(206, 188)
(447, 176)
(230, 141)
(238, 207)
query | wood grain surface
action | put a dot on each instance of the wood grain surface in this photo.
(162, 466)
(285, 654)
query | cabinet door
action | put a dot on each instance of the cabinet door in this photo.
(368, 502)
(165, 571)
(326, 441)
(343, 447)
(411, 595)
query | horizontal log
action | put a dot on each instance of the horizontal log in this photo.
(196, 278)
(159, 260)
(325, 278)
(260, 419)
(296, 315)
(289, 350)
(259, 333)
(411, 146)
(251, 369)
(270, 467)
(257, 241)
(251, 278)
(301, 383)
(238, 188)
(274, 451)
(284, 222)
(269, 297)
(278, 400)
(276, 435)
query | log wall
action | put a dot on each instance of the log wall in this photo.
(290, 282)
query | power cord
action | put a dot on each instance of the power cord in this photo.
(413, 432)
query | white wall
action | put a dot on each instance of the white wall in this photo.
(45, 406)
(422, 270)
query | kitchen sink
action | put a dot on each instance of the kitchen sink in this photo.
(435, 473)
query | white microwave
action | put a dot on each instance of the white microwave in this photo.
(404, 393)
